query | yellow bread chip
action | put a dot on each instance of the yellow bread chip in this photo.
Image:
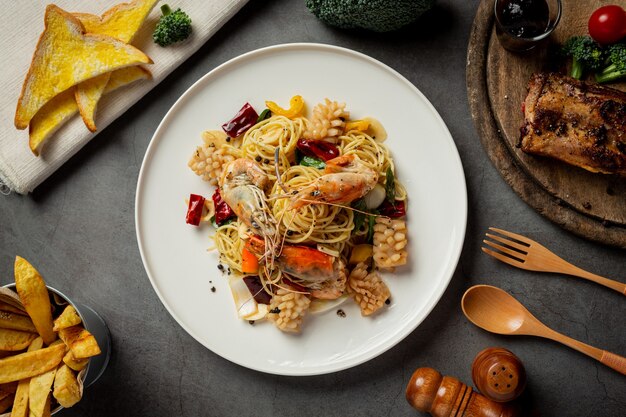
(122, 22)
(87, 96)
(34, 295)
(14, 321)
(66, 56)
(75, 364)
(66, 387)
(20, 403)
(68, 318)
(82, 344)
(14, 340)
(62, 107)
(28, 364)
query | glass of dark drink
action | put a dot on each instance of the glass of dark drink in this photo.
(522, 24)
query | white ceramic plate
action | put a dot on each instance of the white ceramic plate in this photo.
(175, 254)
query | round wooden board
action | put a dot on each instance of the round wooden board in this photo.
(590, 205)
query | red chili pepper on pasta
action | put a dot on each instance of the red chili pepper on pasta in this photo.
(393, 210)
(318, 149)
(223, 211)
(194, 211)
(245, 118)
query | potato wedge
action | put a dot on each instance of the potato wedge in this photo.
(68, 318)
(12, 309)
(14, 321)
(26, 365)
(73, 363)
(20, 403)
(62, 107)
(66, 387)
(82, 344)
(53, 68)
(122, 22)
(14, 340)
(39, 391)
(34, 295)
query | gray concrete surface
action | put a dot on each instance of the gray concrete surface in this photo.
(79, 227)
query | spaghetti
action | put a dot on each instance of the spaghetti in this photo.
(306, 213)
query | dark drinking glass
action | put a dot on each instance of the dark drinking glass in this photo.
(522, 24)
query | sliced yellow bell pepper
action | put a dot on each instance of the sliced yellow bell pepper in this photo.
(296, 108)
(360, 125)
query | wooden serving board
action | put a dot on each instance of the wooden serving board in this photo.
(590, 205)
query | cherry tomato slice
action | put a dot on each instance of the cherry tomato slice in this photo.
(607, 24)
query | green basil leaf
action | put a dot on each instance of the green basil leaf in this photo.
(359, 218)
(370, 229)
(309, 161)
(390, 186)
(225, 222)
(265, 114)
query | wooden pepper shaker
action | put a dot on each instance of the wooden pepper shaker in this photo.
(445, 396)
(498, 374)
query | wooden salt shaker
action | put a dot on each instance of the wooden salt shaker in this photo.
(445, 396)
(498, 374)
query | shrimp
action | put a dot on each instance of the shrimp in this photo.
(242, 183)
(319, 272)
(344, 180)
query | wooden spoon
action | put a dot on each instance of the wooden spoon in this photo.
(496, 311)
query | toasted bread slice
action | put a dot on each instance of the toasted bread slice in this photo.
(66, 56)
(62, 107)
(122, 22)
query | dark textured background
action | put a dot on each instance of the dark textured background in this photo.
(78, 229)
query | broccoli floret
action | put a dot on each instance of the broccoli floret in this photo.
(376, 15)
(585, 53)
(617, 64)
(173, 26)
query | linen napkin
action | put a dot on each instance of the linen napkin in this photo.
(20, 27)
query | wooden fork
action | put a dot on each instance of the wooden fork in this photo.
(525, 253)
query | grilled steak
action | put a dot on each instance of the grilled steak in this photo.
(576, 122)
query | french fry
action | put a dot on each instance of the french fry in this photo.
(11, 309)
(39, 391)
(68, 318)
(29, 364)
(122, 22)
(34, 295)
(82, 344)
(66, 387)
(14, 321)
(14, 340)
(73, 363)
(51, 72)
(20, 403)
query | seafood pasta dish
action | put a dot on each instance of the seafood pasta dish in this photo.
(307, 210)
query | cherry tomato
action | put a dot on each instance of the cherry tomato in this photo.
(608, 24)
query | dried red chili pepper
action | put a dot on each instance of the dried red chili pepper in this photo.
(393, 210)
(194, 211)
(245, 118)
(223, 211)
(318, 149)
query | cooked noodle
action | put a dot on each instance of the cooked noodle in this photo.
(324, 225)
